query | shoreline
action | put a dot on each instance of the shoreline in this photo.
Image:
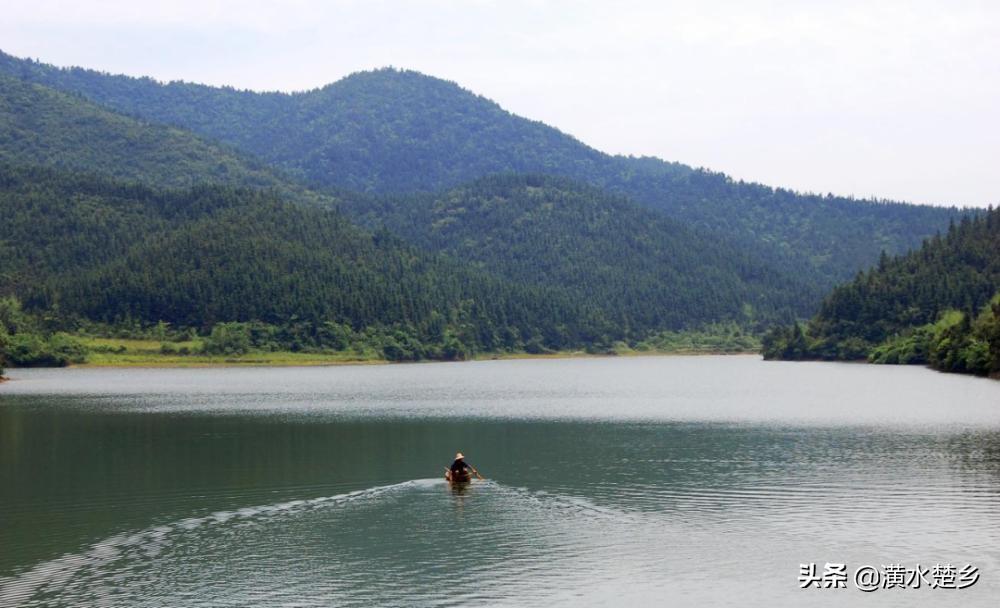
(288, 359)
(637, 353)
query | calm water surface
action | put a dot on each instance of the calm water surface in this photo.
(643, 481)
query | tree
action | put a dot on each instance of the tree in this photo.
(228, 339)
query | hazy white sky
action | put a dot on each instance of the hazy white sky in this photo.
(887, 98)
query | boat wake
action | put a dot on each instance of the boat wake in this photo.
(50, 577)
(127, 562)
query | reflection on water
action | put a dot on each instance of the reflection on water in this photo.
(604, 487)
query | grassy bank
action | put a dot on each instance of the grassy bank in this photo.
(31, 340)
(190, 350)
(120, 352)
(89, 351)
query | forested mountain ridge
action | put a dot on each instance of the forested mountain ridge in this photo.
(643, 269)
(45, 127)
(960, 270)
(938, 305)
(380, 131)
(400, 131)
(91, 248)
(687, 285)
(84, 247)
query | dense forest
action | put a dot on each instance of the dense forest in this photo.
(643, 269)
(45, 127)
(90, 248)
(69, 232)
(938, 305)
(392, 131)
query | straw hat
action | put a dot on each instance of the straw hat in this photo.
(459, 456)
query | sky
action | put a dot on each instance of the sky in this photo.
(889, 99)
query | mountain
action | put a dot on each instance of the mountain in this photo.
(45, 127)
(390, 131)
(652, 273)
(642, 269)
(85, 247)
(115, 211)
(938, 305)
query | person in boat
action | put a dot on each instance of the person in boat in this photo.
(461, 470)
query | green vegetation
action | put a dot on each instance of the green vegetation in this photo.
(229, 344)
(932, 306)
(120, 224)
(643, 270)
(125, 352)
(91, 249)
(39, 126)
(956, 343)
(391, 131)
(713, 338)
(25, 341)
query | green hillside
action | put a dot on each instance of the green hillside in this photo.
(400, 131)
(232, 248)
(84, 248)
(936, 305)
(652, 273)
(644, 270)
(45, 127)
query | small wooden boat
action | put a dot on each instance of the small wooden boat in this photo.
(458, 478)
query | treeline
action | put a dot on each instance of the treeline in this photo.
(235, 338)
(959, 342)
(30, 340)
(960, 270)
(932, 306)
(37, 339)
(392, 343)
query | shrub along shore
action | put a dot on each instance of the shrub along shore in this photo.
(28, 340)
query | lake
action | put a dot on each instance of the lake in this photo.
(639, 481)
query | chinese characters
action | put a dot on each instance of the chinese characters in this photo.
(888, 576)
